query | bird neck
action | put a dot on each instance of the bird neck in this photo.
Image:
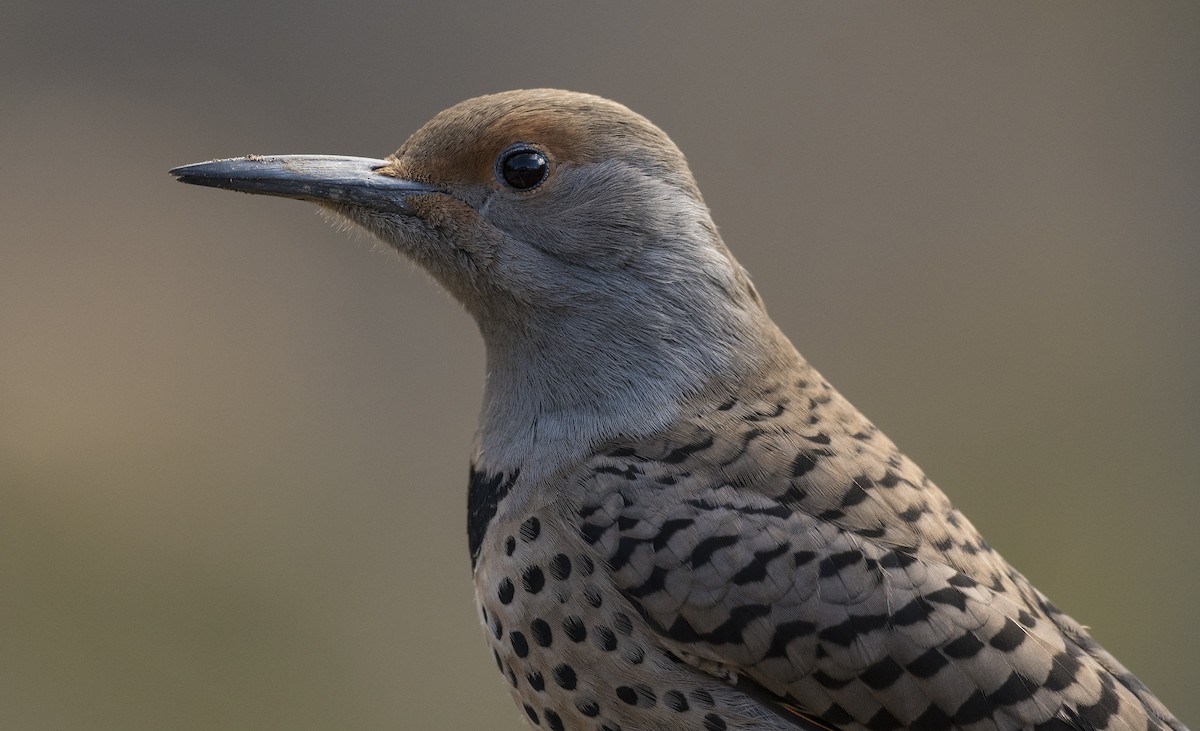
(559, 383)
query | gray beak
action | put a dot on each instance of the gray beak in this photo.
(316, 178)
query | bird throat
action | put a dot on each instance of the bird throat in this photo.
(555, 390)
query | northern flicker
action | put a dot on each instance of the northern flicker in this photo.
(674, 521)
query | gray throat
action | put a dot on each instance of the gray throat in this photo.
(556, 387)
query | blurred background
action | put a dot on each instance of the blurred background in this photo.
(234, 441)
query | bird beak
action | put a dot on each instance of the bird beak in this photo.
(353, 181)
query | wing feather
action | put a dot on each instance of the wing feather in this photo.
(825, 567)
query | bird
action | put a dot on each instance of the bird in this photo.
(673, 520)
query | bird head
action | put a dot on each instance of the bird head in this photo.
(572, 230)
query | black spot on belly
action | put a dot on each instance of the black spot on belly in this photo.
(588, 708)
(519, 644)
(532, 715)
(674, 700)
(592, 596)
(533, 579)
(505, 591)
(541, 632)
(560, 566)
(604, 639)
(574, 628)
(531, 529)
(564, 675)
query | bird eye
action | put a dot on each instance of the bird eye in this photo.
(523, 168)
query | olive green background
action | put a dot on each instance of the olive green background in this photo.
(234, 441)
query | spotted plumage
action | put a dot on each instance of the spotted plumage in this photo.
(775, 540)
(674, 522)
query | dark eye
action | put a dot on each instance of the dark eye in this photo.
(523, 168)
